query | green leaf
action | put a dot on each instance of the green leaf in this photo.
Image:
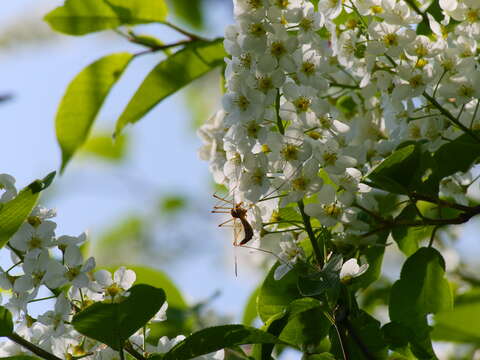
(374, 258)
(436, 11)
(363, 340)
(14, 212)
(394, 173)
(104, 147)
(301, 324)
(250, 312)
(114, 323)
(6, 322)
(408, 238)
(83, 99)
(322, 356)
(215, 338)
(276, 295)
(171, 75)
(79, 17)
(422, 288)
(462, 324)
(189, 11)
(133, 12)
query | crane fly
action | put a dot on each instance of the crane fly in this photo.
(237, 211)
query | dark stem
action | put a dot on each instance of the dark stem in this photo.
(351, 331)
(190, 35)
(311, 234)
(450, 117)
(164, 47)
(31, 347)
(280, 126)
(132, 351)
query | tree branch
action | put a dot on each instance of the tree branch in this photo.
(31, 347)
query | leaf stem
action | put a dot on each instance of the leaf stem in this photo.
(280, 126)
(311, 234)
(450, 117)
(164, 47)
(190, 35)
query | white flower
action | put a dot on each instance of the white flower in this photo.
(161, 315)
(291, 253)
(56, 319)
(351, 269)
(165, 344)
(34, 239)
(7, 184)
(122, 280)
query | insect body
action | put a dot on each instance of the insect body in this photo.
(238, 212)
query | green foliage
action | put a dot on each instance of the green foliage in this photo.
(83, 99)
(169, 76)
(14, 212)
(361, 338)
(302, 324)
(250, 311)
(6, 322)
(421, 290)
(414, 169)
(79, 17)
(215, 338)
(104, 147)
(461, 324)
(188, 11)
(114, 323)
(393, 174)
(408, 237)
(276, 295)
(179, 319)
(172, 204)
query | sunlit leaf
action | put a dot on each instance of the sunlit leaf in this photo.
(16, 211)
(114, 323)
(103, 146)
(83, 99)
(79, 17)
(216, 338)
(169, 76)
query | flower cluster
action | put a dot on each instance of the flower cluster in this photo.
(318, 95)
(41, 262)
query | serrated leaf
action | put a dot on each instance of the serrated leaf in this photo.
(83, 99)
(216, 338)
(114, 323)
(79, 17)
(169, 76)
(6, 322)
(14, 212)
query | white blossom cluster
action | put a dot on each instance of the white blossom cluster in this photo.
(41, 260)
(315, 98)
